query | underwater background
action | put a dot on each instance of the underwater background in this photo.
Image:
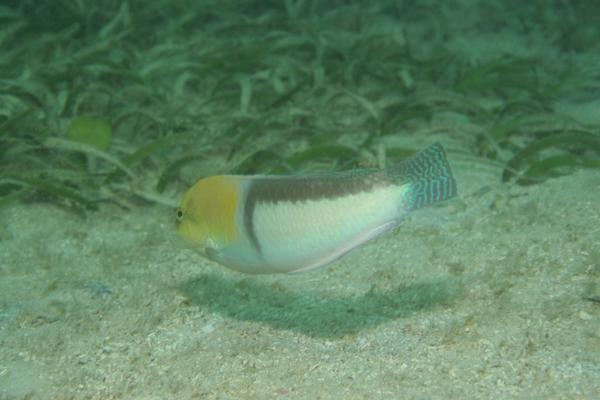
(110, 110)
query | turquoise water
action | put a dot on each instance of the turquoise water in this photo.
(493, 294)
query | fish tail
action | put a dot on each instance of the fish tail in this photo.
(429, 177)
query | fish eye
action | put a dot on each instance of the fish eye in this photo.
(179, 214)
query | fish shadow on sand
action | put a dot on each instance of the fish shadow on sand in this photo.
(310, 313)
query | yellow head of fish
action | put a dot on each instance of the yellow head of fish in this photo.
(207, 214)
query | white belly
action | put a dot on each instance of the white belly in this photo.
(298, 236)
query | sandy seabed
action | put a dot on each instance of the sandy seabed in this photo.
(492, 295)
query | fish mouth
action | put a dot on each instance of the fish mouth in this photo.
(185, 240)
(179, 241)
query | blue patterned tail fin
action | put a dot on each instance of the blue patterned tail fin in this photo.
(429, 176)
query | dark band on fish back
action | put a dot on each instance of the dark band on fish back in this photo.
(306, 188)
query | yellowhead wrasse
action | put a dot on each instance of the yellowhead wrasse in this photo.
(279, 224)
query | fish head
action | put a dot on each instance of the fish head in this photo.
(206, 216)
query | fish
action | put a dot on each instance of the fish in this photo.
(266, 224)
